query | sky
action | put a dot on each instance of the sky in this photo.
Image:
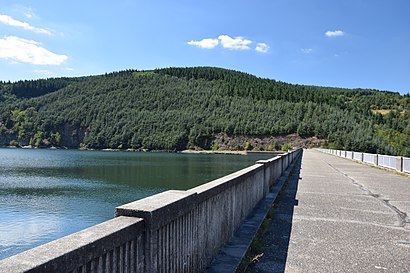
(339, 43)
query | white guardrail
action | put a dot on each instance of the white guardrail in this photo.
(398, 163)
(406, 164)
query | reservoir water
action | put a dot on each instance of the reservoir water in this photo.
(47, 194)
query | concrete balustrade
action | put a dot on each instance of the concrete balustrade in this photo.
(398, 163)
(116, 245)
(173, 231)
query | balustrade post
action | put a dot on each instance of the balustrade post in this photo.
(399, 164)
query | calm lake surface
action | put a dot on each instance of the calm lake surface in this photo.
(47, 194)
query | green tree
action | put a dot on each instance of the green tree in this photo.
(286, 147)
(55, 138)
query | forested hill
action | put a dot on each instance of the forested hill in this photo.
(199, 107)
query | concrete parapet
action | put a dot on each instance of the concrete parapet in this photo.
(231, 254)
(173, 231)
(159, 209)
(273, 169)
(222, 206)
(113, 246)
(168, 231)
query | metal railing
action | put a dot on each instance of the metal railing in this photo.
(358, 156)
(369, 158)
(406, 164)
(388, 161)
(398, 163)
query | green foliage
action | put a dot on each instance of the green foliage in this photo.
(55, 138)
(286, 147)
(399, 141)
(176, 108)
(38, 138)
(143, 73)
(33, 88)
(247, 146)
(23, 122)
(14, 143)
(274, 146)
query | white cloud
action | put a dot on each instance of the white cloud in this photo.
(29, 13)
(238, 43)
(27, 51)
(205, 43)
(335, 33)
(43, 72)
(262, 47)
(5, 19)
(306, 50)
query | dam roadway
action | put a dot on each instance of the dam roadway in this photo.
(336, 215)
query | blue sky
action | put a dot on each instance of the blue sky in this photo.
(342, 43)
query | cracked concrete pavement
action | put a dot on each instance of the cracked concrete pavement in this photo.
(336, 215)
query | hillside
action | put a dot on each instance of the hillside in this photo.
(202, 108)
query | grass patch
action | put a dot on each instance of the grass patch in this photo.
(255, 251)
(383, 112)
(143, 73)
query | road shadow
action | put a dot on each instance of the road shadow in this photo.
(277, 237)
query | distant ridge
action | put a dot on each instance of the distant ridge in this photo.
(199, 108)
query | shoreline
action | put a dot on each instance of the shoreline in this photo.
(225, 152)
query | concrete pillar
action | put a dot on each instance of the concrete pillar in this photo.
(267, 176)
(376, 159)
(158, 211)
(282, 164)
